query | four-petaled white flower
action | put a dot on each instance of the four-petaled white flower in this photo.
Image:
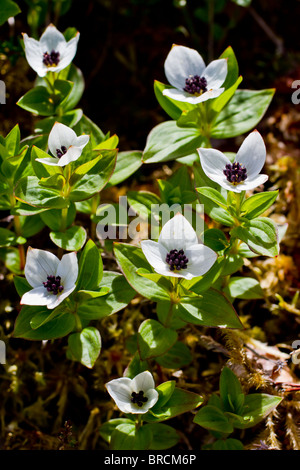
(243, 173)
(64, 145)
(178, 252)
(51, 53)
(193, 82)
(52, 279)
(136, 395)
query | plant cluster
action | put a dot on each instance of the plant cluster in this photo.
(52, 177)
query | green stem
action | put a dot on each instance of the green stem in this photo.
(175, 281)
(64, 216)
(18, 230)
(77, 322)
(139, 421)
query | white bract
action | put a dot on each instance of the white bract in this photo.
(136, 395)
(178, 252)
(193, 82)
(51, 53)
(243, 173)
(64, 145)
(52, 279)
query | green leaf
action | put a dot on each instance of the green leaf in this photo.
(136, 366)
(53, 217)
(42, 170)
(227, 444)
(141, 202)
(180, 402)
(232, 69)
(84, 295)
(177, 357)
(119, 296)
(29, 191)
(85, 346)
(172, 107)
(242, 113)
(154, 339)
(11, 257)
(127, 437)
(165, 311)
(212, 309)
(96, 178)
(215, 239)
(110, 143)
(219, 103)
(12, 140)
(163, 436)
(131, 258)
(214, 196)
(60, 326)
(244, 288)
(73, 74)
(21, 285)
(212, 418)
(260, 235)
(90, 268)
(8, 238)
(81, 170)
(257, 204)
(107, 428)
(165, 391)
(256, 407)
(167, 142)
(39, 101)
(198, 285)
(86, 126)
(63, 90)
(8, 9)
(72, 239)
(230, 391)
(232, 263)
(127, 164)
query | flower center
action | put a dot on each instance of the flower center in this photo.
(195, 85)
(60, 152)
(53, 284)
(138, 398)
(52, 59)
(235, 173)
(177, 260)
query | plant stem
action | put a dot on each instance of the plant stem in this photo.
(18, 230)
(139, 421)
(77, 322)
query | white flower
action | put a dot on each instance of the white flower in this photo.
(192, 81)
(64, 145)
(136, 395)
(51, 53)
(243, 173)
(177, 252)
(52, 279)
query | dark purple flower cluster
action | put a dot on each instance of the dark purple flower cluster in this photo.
(195, 85)
(138, 398)
(235, 173)
(53, 284)
(177, 260)
(51, 59)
